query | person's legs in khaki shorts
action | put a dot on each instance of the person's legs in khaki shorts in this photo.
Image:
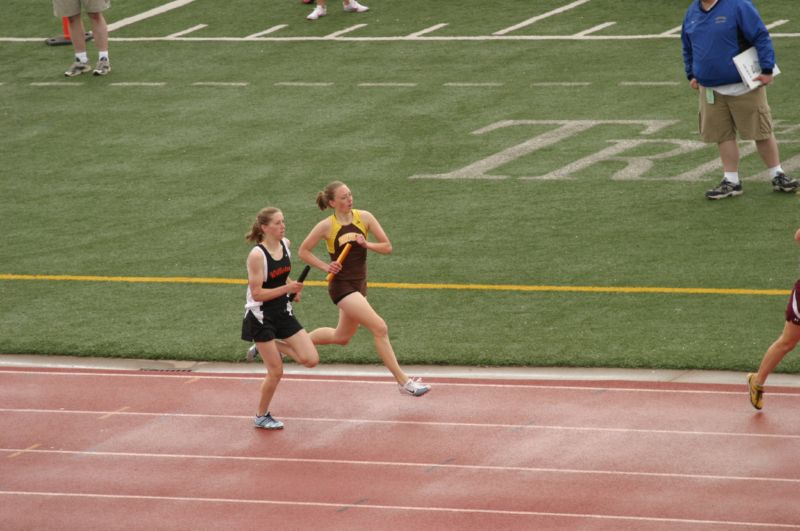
(72, 9)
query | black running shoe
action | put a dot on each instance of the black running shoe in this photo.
(725, 189)
(784, 183)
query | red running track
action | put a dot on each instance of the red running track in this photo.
(84, 449)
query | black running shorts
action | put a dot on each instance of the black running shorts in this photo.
(275, 326)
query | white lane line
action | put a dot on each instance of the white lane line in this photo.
(273, 29)
(456, 84)
(292, 378)
(148, 14)
(364, 506)
(303, 84)
(387, 84)
(138, 84)
(57, 84)
(492, 426)
(220, 84)
(346, 30)
(649, 83)
(595, 29)
(14, 452)
(187, 31)
(537, 18)
(426, 30)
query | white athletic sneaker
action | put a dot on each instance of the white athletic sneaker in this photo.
(267, 422)
(319, 11)
(414, 387)
(354, 7)
(252, 353)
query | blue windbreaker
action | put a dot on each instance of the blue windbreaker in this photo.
(711, 39)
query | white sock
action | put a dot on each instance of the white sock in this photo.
(732, 177)
(104, 55)
(773, 172)
(82, 57)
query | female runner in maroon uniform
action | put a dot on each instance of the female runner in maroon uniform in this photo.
(780, 348)
(268, 311)
(348, 289)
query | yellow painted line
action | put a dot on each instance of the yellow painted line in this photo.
(160, 280)
(28, 449)
(583, 289)
(404, 285)
(120, 410)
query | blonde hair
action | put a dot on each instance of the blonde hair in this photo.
(263, 217)
(327, 195)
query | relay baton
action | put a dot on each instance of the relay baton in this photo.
(342, 256)
(301, 278)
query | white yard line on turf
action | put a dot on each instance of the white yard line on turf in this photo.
(267, 31)
(776, 24)
(219, 84)
(148, 14)
(537, 18)
(336, 34)
(387, 84)
(138, 84)
(673, 32)
(303, 84)
(58, 84)
(649, 83)
(594, 29)
(423, 38)
(489, 84)
(187, 31)
(561, 84)
(427, 30)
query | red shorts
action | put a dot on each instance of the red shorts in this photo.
(793, 308)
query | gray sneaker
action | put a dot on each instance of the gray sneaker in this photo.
(77, 68)
(725, 189)
(414, 387)
(103, 67)
(267, 422)
(784, 183)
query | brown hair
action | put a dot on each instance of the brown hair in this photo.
(326, 196)
(263, 217)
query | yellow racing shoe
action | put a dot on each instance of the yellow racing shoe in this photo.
(756, 391)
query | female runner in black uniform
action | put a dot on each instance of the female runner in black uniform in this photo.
(780, 348)
(348, 289)
(268, 311)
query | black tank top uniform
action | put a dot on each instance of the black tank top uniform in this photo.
(268, 320)
(274, 277)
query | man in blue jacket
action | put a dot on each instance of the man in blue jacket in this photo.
(713, 32)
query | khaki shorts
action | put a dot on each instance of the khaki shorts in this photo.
(748, 114)
(68, 8)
